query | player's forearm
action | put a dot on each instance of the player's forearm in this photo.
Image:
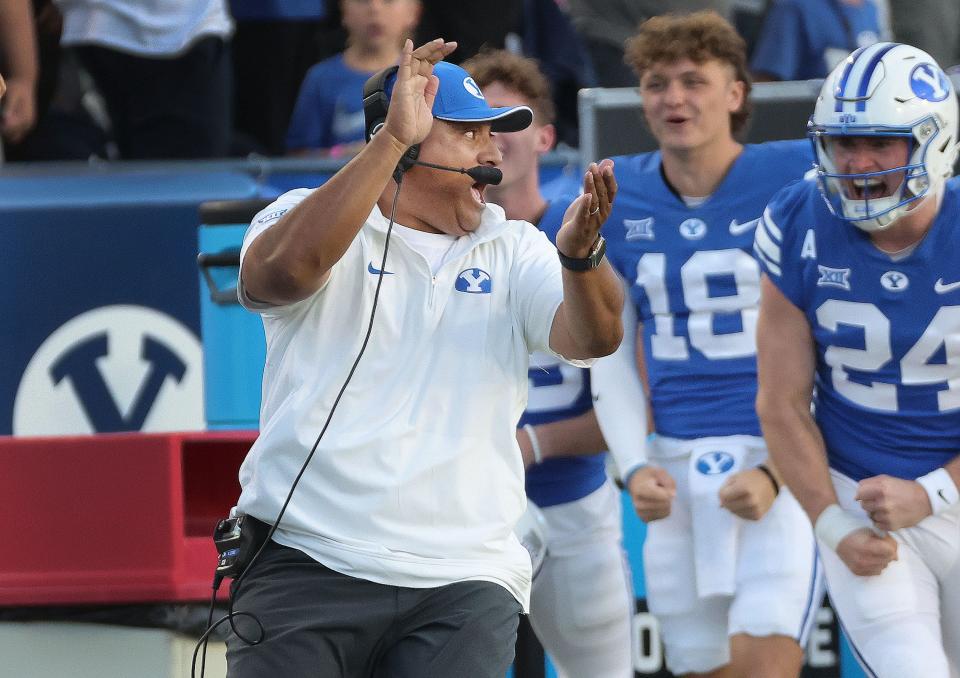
(786, 363)
(590, 313)
(291, 259)
(797, 451)
(573, 437)
(619, 401)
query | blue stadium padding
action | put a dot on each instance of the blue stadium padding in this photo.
(75, 242)
(233, 342)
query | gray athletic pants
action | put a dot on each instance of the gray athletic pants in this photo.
(319, 623)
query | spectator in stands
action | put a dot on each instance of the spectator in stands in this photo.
(473, 25)
(328, 116)
(163, 69)
(18, 60)
(803, 39)
(584, 566)
(274, 45)
(549, 37)
(605, 25)
(931, 25)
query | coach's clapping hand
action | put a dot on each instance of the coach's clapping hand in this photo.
(652, 490)
(866, 553)
(586, 214)
(410, 114)
(893, 503)
(748, 494)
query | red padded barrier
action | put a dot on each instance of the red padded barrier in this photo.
(114, 518)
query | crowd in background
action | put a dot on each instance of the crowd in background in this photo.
(131, 79)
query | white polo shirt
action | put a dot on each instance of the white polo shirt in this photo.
(418, 481)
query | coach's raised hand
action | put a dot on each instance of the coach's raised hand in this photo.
(588, 322)
(586, 214)
(410, 116)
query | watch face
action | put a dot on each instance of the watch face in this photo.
(599, 248)
(591, 261)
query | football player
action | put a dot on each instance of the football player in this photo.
(729, 557)
(860, 315)
(582, 601)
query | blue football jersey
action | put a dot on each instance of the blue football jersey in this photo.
(696, 285)
(887, 332)
(558, 390)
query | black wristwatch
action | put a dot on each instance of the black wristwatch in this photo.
(591, 261)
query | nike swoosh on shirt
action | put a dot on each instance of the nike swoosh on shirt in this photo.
(942, 288)
(376, 271)
(943, 496)
(740, 229)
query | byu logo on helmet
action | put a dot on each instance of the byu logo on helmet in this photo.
(472, 88)
(929, 82)
(474, 281)
(894, 281)
(714, 463)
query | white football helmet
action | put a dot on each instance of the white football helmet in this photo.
(531, 530)
(886, 89)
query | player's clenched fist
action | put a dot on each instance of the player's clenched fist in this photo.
(893, 503)
(748, 494)
(866, 553)
(652, 490)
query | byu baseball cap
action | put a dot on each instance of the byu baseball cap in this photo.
(459, 99)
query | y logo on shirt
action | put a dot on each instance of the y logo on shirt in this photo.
(894, 281)
(474, 281)
(693, 229)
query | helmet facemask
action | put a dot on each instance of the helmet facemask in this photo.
(881, 92)
(869, 200)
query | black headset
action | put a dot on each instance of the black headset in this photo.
(375, 106)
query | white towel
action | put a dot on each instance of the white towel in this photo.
(715, 530)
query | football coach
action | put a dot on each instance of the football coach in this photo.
(400, 310)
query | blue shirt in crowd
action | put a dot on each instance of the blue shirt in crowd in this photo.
(329, 109)
(803, 39)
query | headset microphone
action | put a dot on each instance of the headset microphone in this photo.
(482, 174)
